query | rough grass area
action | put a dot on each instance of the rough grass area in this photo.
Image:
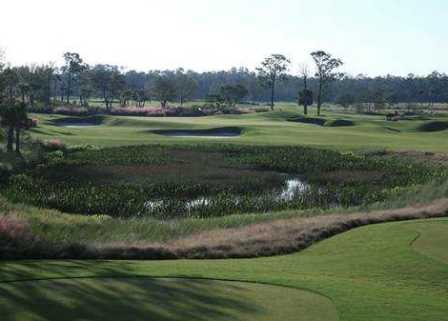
(264, 239)
(138, 299)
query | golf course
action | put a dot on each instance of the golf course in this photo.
(223, 160)
(306, 256)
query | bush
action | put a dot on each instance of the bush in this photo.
(54, 145)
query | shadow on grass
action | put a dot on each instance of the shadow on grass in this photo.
(213, 132)
(434, 126)
(126, 299)
(77, 121)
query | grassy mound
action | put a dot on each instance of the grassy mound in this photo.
(434, 126)
(141, 299)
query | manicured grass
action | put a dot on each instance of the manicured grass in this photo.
(433, 240)
(371, 273)
(271, 128)
(139, 299)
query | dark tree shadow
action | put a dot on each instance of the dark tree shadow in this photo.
(98, 299)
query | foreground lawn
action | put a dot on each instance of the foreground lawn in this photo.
(372, 273)
(159, 299)
(271, 128)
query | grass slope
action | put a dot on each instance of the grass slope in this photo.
(371, 273)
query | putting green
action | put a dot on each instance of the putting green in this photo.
(158, 299)
(433, 239)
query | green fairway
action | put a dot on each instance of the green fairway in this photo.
(159, 299)
(433, 240)
(271, 128)
(371, 273)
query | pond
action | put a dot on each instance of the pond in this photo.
(292, 188)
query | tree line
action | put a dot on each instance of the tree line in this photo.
(76, 81)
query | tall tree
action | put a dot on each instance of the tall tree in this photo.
(185, 85)
(326, 66)
(164, 88)
(233, 94)
(72, 68)
(109, 82)
(271, 70)
(305, 95)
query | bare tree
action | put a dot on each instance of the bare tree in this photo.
(305, 95)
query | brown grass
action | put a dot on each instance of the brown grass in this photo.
(268, 239)
(264, 239)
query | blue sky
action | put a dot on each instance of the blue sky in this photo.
(373, 37)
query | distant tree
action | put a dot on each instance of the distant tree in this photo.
(326, 65)
(233, 94)
(377, 100)
(140, 97)
(305, 95)
(126, 95)
(108, 80)
(86, 86)
(2, 59)
(10, 80)
(273, 69)
(164, 88)
(345, 100)
(431, 89)
(185, 85)
(306, 99)
(72, 68)
(14, 118)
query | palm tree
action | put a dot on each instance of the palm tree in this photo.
(14, 117)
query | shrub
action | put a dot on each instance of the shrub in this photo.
(54, 145)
